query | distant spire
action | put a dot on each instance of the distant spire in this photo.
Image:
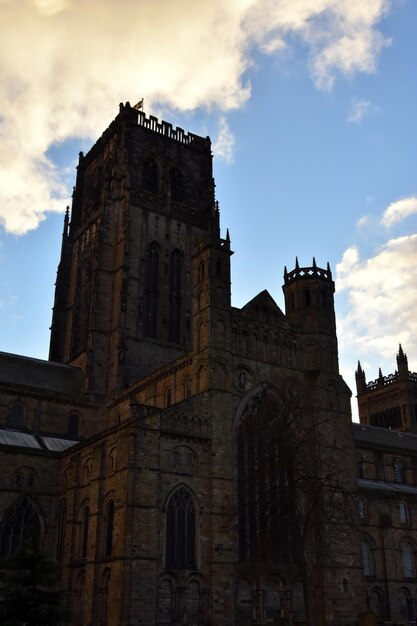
(227, 235)
(359, 368)
(297, 267)
(402, 362)
(66, 222)
(380, 376)
(314, 262)
(285, 272)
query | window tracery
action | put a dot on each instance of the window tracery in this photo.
(21, 527)
(180, 530)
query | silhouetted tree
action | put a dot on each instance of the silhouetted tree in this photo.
(28, 591)
(297, 500)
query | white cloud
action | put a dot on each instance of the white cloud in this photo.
(363, 221)
(382, 299)
(224, 144)
(399, 210)
(358, 110)
(65, 65)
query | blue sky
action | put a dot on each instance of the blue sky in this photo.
(310, 106)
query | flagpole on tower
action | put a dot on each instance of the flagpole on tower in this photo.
(139, 105)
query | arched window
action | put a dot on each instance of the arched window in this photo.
(399, 472)
(367, 558)
(376, 603)
(16, 416)
(62, 512)
(108, 529)
(73, 425)
(176, 183)
(151, 289)
(21, 528)
(360, 468)
(298, 601)
(244, 601)
(187, 387)
(168, 397)
(201, 271)
(175, 280)
(403, 513)
(180, 530)
(166, 603)
(150, 175)
(83, 544)
(408, 563)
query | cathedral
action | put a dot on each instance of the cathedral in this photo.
(187, 461)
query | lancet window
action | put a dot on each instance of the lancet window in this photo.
(151, 289)
(180, 530)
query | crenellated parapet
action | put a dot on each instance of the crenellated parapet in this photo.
(309, 272)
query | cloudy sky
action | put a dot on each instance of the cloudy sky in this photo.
(310, 105)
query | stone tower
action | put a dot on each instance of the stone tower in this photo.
(144, 197)
(389, 401)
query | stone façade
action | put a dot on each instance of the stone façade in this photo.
(135, 419)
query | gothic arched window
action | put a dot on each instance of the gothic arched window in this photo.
(150, 175)
(403, 513)
(108, 529)
(177, 186)
(21, 528)
(16, 416)
(175, 275)
(180, 530)
(151, 289)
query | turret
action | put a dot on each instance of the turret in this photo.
(402, 364)
(309, 305)
(360, 379)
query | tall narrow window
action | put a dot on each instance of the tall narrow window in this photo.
(175, 275)
(367, 559)
(403, 513)
(21, 528)
(407, 554)
(180, 530)
(108, 529)
(151, 289)
(84, 532)
(150, 174)
(73, 425)
(176, 182)
(61, 531)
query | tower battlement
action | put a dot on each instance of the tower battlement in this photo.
(166, 129)
(302, 273)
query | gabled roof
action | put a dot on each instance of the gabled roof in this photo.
(263, 308)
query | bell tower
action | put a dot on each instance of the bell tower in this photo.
(143, 201)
